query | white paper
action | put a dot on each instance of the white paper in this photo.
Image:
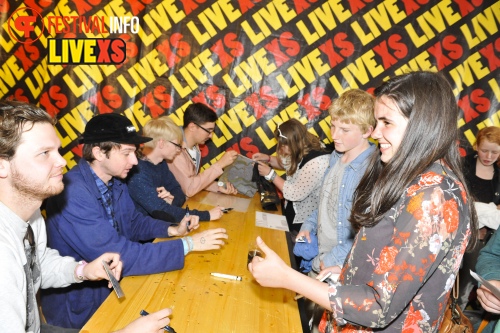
(488, 285)
(271, 221)
(226, 201)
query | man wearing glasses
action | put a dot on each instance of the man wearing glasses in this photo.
(152, 185)
(199, 125)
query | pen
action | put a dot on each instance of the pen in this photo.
(227, 276)
(226, 210)
(321, 280)
(166, 328)
(187, 214)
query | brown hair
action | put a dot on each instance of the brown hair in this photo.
(105, 147)
(299, 141)
(16, 118)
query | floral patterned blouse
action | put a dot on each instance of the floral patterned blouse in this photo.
(399, 273)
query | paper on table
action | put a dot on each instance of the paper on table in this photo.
(226, 201)
(488, 285)
(271, 221)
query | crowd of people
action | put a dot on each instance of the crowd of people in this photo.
(394, 210)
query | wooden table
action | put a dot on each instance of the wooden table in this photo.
(201, 302)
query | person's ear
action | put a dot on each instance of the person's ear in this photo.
(98, 154)
(4, 168)
(191, 127)
(368, 132)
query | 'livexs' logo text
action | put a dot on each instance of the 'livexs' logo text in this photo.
(86, 51)
(27, 25)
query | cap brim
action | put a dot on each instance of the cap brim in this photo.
(136, 140)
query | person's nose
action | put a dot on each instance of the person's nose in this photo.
(376, 134)
(133, 159)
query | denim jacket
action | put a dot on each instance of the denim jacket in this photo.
(350, 180)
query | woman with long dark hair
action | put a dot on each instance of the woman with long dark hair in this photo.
(304, 159)
(413, 214)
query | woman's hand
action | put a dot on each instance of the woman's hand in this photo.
(487, 299)
(270, 271)
(264, 169)
(261, 157)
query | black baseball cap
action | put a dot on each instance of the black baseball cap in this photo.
(111, 127)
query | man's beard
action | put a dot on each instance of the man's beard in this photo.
(30, 189)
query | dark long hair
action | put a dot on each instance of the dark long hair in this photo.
(427, 101)
(299, 141)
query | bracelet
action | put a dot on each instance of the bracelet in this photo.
(271, 174)
(272, 177)
(79, 270)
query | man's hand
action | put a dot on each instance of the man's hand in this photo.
(152, 323)
(228, 189)
(165, 195)
(211, 239)
(228, 158)
(183, 229)
(94, 270)
(216, 213)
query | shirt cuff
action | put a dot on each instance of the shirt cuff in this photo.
(187, 244)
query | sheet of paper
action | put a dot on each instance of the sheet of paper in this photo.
(226, 201)
(271, 221)
(488, 285)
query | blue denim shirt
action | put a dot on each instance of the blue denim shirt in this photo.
(350, 180)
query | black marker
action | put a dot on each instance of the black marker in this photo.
(166, 328)
(187, 214)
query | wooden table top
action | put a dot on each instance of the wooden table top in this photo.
(201, 302)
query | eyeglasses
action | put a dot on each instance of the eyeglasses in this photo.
(178, 146)
(30, 237)
(281, 134)
(209, 131)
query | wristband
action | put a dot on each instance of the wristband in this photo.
(79, 270)
(271, 174)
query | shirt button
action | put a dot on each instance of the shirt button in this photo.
(340, 242)
(340, 222)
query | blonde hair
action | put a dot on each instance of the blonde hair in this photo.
(354, 106)
(161, 128)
